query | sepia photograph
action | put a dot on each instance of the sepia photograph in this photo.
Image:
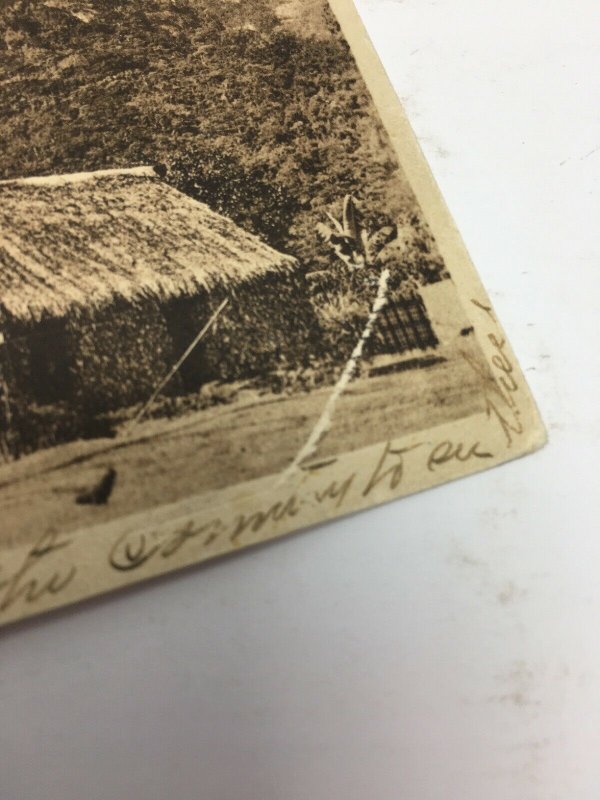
(213, 266)
(299, 400)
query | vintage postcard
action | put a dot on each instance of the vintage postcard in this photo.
(232, 301)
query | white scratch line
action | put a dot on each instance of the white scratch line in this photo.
(324, 421)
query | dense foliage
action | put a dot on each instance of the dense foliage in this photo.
(259, 113)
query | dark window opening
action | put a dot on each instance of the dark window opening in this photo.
(51, 377)
(184, 319)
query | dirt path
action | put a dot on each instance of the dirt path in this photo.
(171, 459)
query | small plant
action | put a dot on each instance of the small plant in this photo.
(349, 239)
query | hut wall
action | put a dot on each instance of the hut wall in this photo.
(268, 323)
(119, 354)
(36, 356)
(15, 356)
(60, 376)
(14, 402)
(35, 387)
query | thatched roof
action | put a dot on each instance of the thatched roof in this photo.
(83, 239)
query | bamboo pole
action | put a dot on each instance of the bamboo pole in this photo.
(325, 421)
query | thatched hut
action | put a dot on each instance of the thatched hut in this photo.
(105, 278)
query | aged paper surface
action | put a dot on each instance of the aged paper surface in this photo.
(232, 301)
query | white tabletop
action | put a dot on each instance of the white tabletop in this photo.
(445, 647)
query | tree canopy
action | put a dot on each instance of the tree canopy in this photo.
(241, 105)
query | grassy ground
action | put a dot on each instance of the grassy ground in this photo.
(167, 460)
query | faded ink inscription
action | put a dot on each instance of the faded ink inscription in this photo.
(500, 386)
